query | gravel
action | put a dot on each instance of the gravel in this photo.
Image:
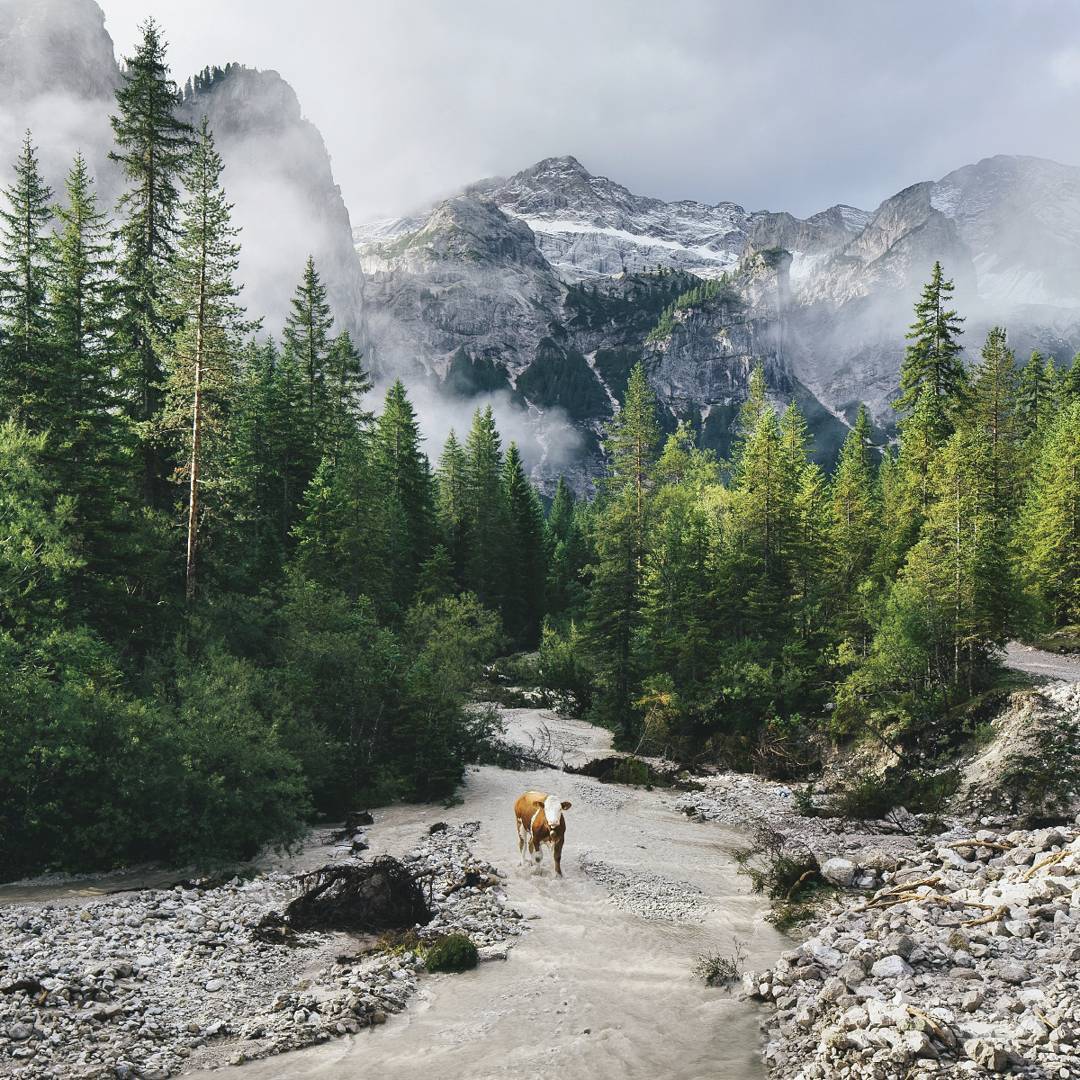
(965, 963)
(651, 896)
(150, 983)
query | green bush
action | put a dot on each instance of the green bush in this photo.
(871, 798)
(455, 952)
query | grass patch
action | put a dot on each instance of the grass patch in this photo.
(453, 953)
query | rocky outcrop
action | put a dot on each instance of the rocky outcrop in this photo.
(58, 73)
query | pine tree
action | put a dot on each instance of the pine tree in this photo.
(485, 572)
(346, 383)
(933, 367)
(760, 515)
(630, 443)
(854, 526)
(1047, 540)
(568, 553)
(202, 358)
(452, 508)
(90, 443)
(993, 410)
(615, 603)
(408, 486)
(957, 579)
(1034, 395)
(523, 603)
(152, 147)
(24, 320)
(307, 335)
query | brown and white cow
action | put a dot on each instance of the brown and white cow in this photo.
(539, 819)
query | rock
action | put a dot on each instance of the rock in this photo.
(20, 1032)
(839, 871)
(971, 1001)
(891, 967)
(214, 985)
(1011, 971)
(987, 1055)
(919, 1044)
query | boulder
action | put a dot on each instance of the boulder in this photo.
(893, 966)
(839, 871)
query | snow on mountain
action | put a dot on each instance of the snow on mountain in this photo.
(830, 331)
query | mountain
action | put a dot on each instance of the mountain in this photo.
(553, 282)
(58, 74)
(278, 175)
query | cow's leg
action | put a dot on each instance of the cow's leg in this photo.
(521, 838)
(556, 854)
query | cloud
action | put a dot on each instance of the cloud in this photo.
(773, 104)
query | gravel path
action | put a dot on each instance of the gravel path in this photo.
(1045, 664)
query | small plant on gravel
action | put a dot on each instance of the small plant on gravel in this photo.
(455, 952)
(780, 868)
(720, 969)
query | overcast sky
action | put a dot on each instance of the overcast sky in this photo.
(784, 104)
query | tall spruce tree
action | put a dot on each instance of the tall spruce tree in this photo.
(152, 144)
(993, 397)
(307, 336)
(408, 486)
(1034, 395)
(568, 553)
(1047, 538)
(523, 601)
(25, 250)
(346, 382)
(202, 358)
(854, 527)
(452, 507)
(486, 564)
(933, 368)
(90, 442)
(615, 604)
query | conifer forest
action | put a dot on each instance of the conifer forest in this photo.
(239, 593)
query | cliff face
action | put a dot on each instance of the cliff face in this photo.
(58, 73)
(278, 175)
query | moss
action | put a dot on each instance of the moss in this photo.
(454, 953)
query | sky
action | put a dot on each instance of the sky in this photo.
(776, 104)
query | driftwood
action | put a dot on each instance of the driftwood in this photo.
(369, 898)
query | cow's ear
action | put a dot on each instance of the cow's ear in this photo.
(566, 805)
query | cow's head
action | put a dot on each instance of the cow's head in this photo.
(553, 810)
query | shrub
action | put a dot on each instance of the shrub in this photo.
(455, 952)
(871, 798)
(780, 869)
(720, 969)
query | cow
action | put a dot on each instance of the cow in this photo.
(539, 820)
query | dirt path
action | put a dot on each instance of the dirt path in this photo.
(1037, 662)
(601, 987)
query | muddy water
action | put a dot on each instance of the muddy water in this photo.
(593, 990)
